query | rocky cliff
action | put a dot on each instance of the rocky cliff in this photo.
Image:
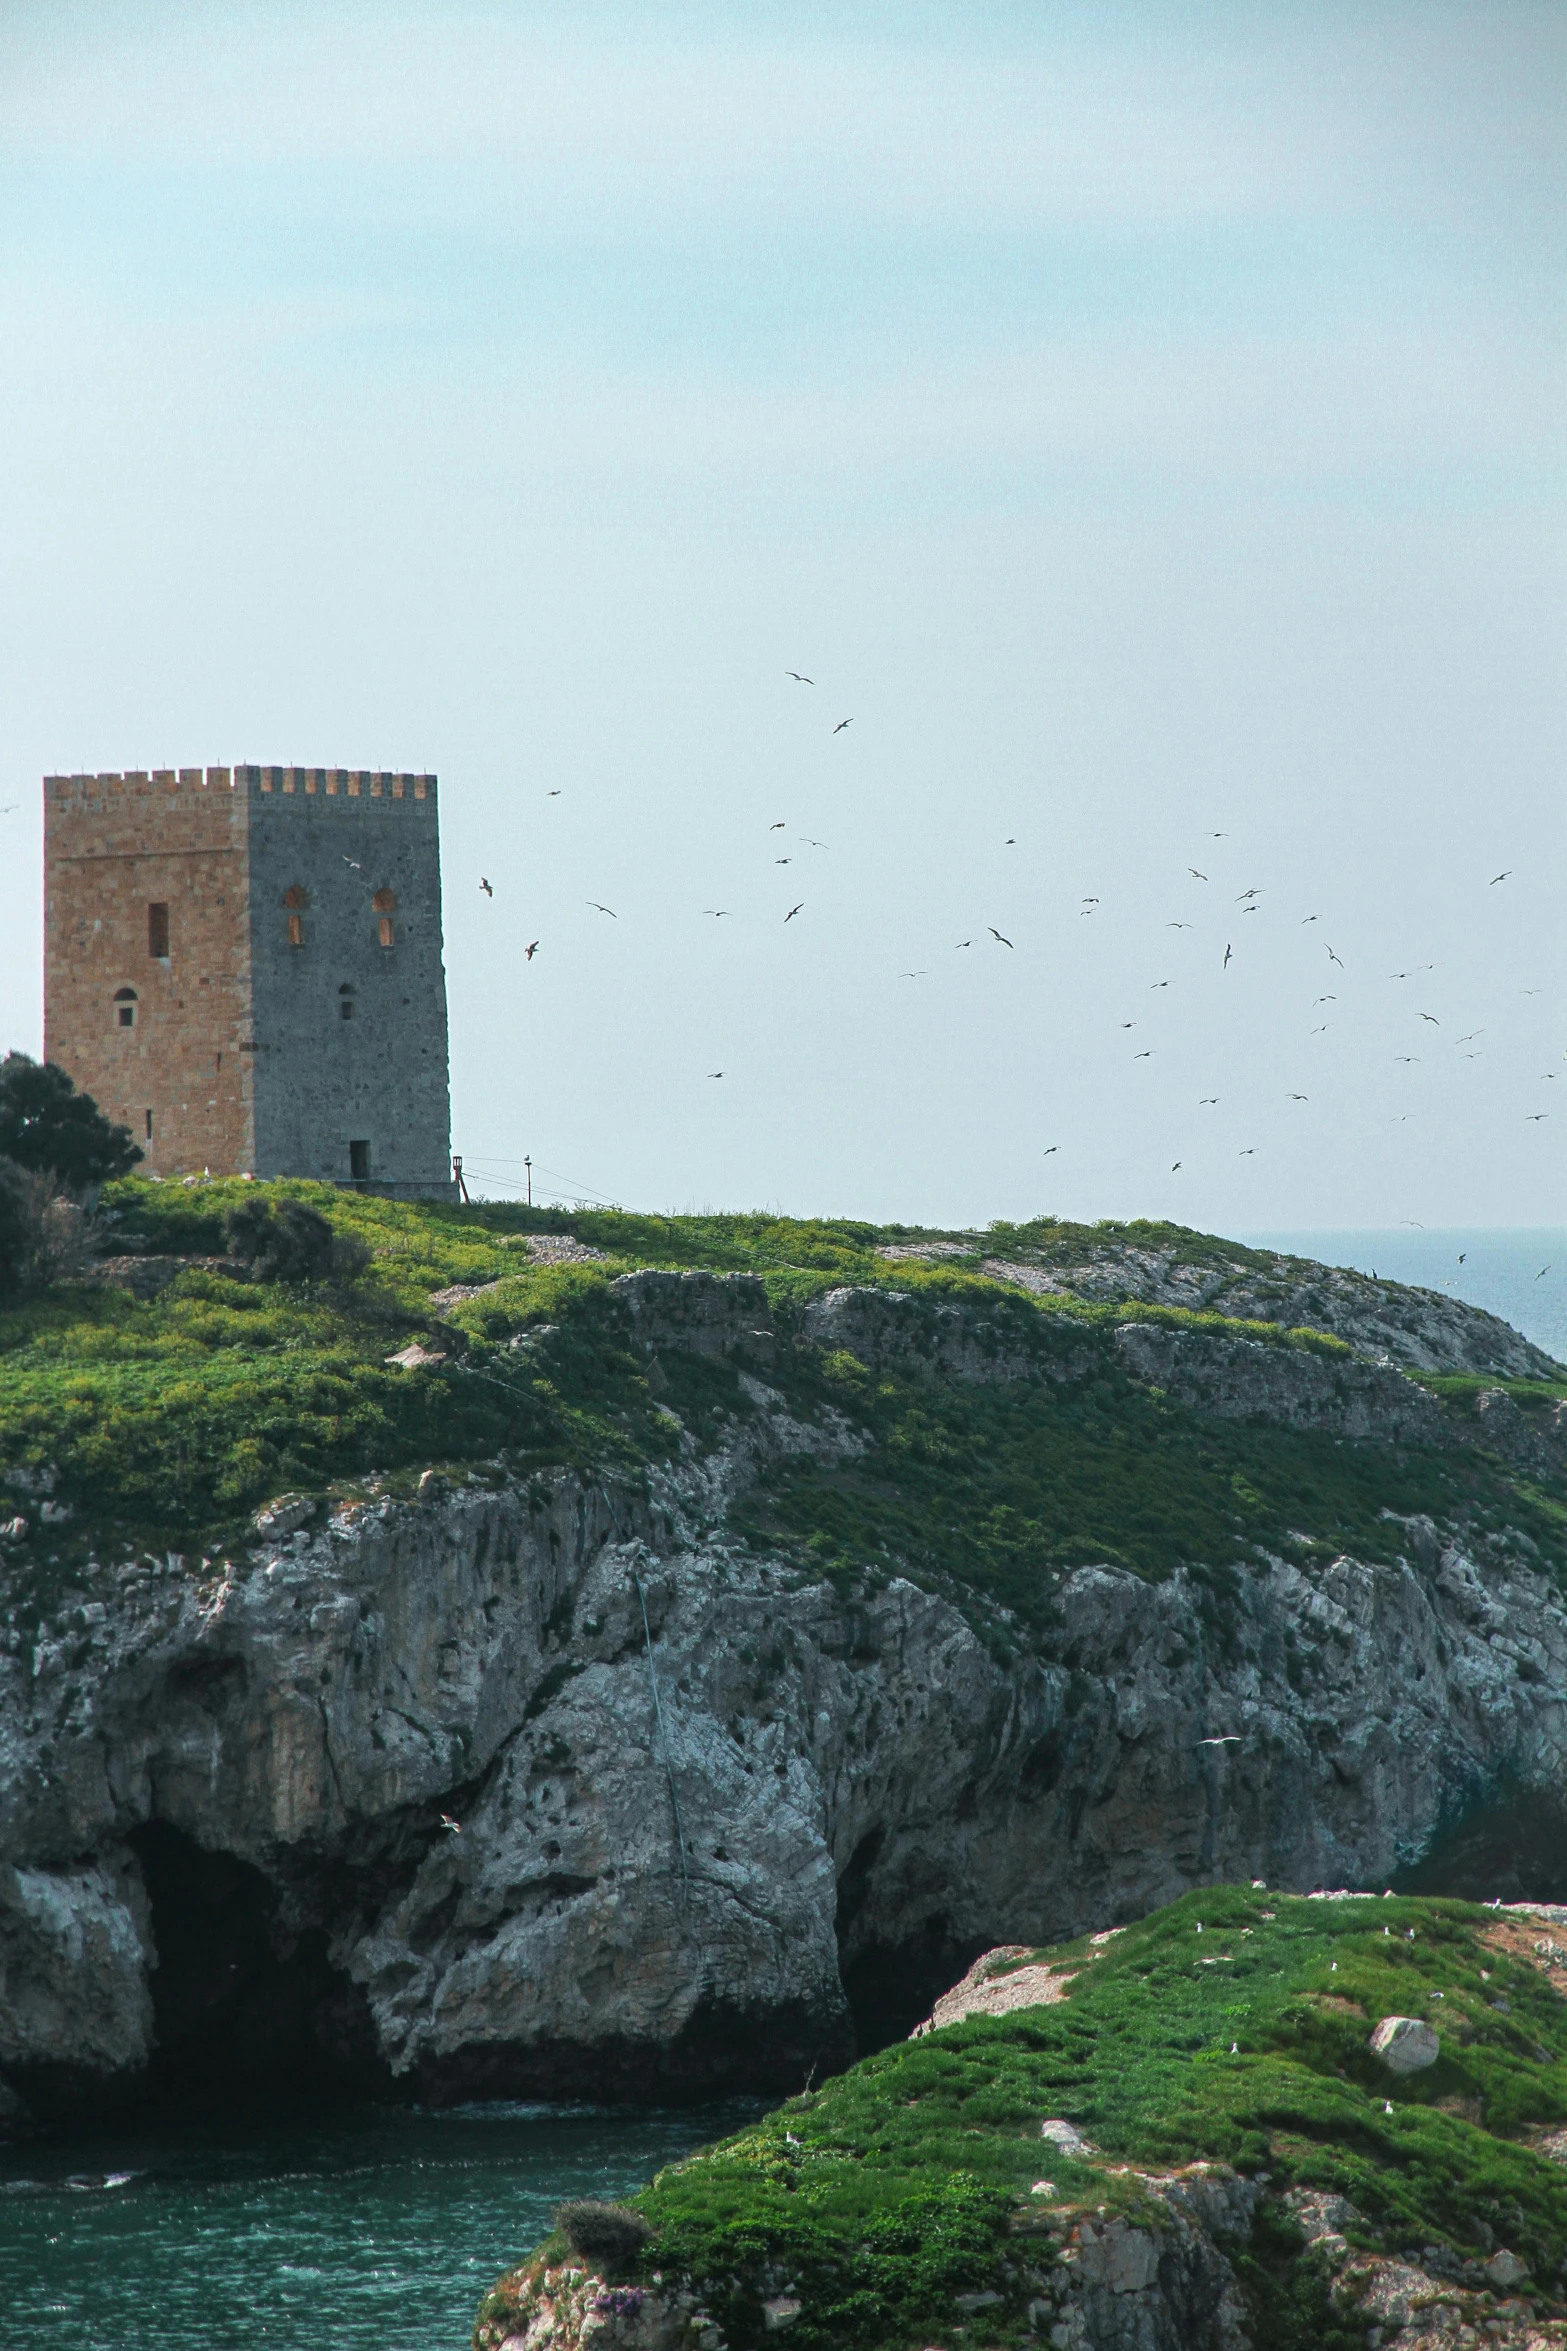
(572, 1783)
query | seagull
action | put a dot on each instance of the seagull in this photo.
(717, 912)
(555, 795)
(1157, 984)
(1387, 2105)
(1535, 1117)
(842, 723)
(1544, 1270)
(1225, 965)
(1316, 1000)
(960, 944)
(1045, 1154)
(783, 861)
(1431, 1017)
(1010, 842)
(1090, 902)
(1235, 2048)
(609, 910)
(799, 681)
(1174, 1166)
(1196, 876)
(1469, 1040)
(1245, 894)
(715, 1073)
(1177, 926)
(353, 861)
(1225, 1739)
(455, 1826)
(1305, 918)
(531, 950)
(997, 935)
(778, 827)
(1462, 1254)
(1498, 877)
(485, 887)
(1206, 1099)
(1250, 1152)
(1332, 958)
(1148, 1056)
(810, 844)
(1406, 1057)
(1300, 1097)
(1127, 1024)
(1321, 1029)
(911, 975)
(794, 910)
(1531, 991)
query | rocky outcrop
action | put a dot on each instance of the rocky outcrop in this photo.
(1420, 1329)
(556, 1786)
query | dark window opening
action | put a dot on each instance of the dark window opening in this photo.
(158, 930)
(149, 1126)
(359, 1162)
(345, 1001)
(125, 1007)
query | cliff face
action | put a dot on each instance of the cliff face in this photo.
(557, 1786)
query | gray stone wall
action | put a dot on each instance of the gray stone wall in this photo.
(325, 1082)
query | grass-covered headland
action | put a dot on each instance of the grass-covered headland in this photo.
(1233, 2028)
(162, 1421)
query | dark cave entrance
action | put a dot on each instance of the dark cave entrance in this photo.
(892, 1987)
(1510, 1846)
(244, 2008)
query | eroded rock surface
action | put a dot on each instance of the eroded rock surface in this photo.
(389, 1794)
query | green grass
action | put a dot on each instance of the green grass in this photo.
(905, 2181)
(167, 1421)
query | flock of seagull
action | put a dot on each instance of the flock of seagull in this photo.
(1246, 904)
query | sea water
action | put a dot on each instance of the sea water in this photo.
(1520, 1275)
(371, 2230)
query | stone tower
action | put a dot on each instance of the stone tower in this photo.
(243, 966)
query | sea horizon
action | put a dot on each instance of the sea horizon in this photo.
(1516, 1271)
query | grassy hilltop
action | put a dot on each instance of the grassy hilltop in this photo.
(166, 1419)
(1232, 2027)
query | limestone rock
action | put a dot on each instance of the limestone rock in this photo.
(1405, 2044)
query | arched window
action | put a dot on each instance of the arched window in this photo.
(296, 898)
(345, 1001)
(125, 1008)
(385, 904)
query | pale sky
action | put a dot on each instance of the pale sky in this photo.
(1143, 423)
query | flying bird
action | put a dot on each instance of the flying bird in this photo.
(1010, 842)
(1192, 870)
(911, 975)
(1305, 918)
(717, 912)
(1174, 1165)
(1245, 894)
(1431, 1017)
(842, 723)
(1544, 1270)
(1250, 1151)
(1128, 1024)
(609, 910)
(810, 844)
(1300, 1097)
(1499, 877)
(1090, 901)
(1157, 984)
(715, 1073)
(778, 827)
(1406, 1057)
(1332, 958)
(999, 936)
(1206, 1099)
(1146, 1056)
(1462, 1254)
(485, 886)
(794, 910)
(531, 950)
(799, 681)
(1227, 1739)
(555, 795)
(1321, 1030)
(1535, 1117)
(447, 1822)
(783, 861)
(353, 861)
(1218, 836)
(1225, 965)
(1045, 1154)
(1177, 926)
(961, 943)
(1316, 1000)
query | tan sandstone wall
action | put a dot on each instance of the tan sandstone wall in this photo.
(180, 1075)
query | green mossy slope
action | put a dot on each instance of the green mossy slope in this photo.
(1231, 2027)
(166, 1420)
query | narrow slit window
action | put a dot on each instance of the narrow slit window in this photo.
(359, 1162)
(158, 929)
(386, 930)
(296, 930)
(149, 1125)
(345, 1002)
(296, 898)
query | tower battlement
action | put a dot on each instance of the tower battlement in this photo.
(243, 965)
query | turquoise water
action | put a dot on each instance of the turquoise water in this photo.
(372, 2231)
(1520, 1275)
